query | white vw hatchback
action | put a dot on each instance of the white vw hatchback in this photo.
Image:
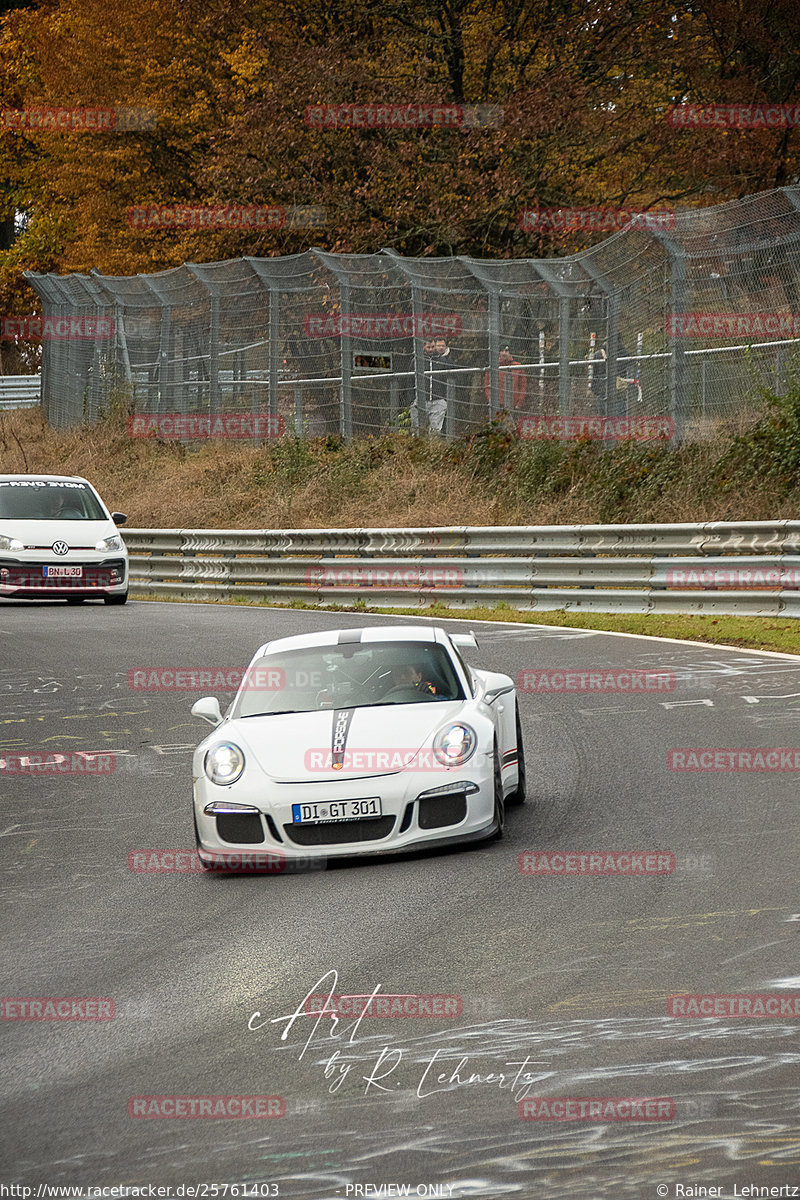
(58, 541)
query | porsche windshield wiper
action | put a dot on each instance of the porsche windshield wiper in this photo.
(281, 712)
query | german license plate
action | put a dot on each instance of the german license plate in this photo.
(326, 811)
(63, 572)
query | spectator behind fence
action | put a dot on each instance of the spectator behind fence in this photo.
(513, 383)
(626, 384)
(440, 361)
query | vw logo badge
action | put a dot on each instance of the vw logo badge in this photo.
(60, 548)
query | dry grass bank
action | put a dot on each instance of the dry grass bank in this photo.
(397, 481)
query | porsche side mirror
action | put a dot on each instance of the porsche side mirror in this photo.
(207, 707)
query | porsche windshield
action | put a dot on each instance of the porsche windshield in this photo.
(44, 500)
(349, 676)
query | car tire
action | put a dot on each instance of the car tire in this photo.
(123, 599)
(499, 802)
(518, 796)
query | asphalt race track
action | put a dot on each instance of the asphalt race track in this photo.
(565, 977)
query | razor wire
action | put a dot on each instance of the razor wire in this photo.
(346, 344)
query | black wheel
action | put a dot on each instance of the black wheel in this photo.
(499, 802)
(123, 599)
(519, 793)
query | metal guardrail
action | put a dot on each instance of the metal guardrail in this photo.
(746, 568)
(20, 391)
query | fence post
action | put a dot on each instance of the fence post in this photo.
(613, 397)
(420, 393)
(564, 382)
(298, 411)
(213, 355)
(346, 356)
(274, 313)
(677, 357)
(394, 400)
(494, 355)
(780, 370)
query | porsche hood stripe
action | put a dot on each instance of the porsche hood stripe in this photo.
(342, 718)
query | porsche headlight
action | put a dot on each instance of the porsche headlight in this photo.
(114, 542)
(454, 745)
(9, 543)
(224, 763)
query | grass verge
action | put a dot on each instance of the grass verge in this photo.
(744, 633)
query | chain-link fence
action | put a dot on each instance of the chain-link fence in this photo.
(675, 325)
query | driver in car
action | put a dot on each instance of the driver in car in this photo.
(51, 504)
(410, 676)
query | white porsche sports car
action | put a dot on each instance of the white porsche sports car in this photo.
(357, 741)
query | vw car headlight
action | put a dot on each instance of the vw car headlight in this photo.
(224, 763)
(114, 542)
(9, 543)
(454, 745)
